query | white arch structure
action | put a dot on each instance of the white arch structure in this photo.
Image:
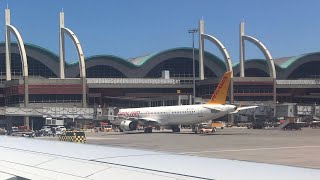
(222, 49)
(216, 42)
(261, 46)
(63, 30)
(11, 29)
(266, 53)
(76, 42)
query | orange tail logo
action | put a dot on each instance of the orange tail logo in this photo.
(220, 94)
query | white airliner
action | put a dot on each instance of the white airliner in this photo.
(173, 116)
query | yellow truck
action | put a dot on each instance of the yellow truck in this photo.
(218, 124)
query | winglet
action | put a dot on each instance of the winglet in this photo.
(220, 94)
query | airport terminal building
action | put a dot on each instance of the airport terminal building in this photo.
(37, 83)
(163, 78)
(154, 80)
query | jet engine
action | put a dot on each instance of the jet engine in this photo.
(128, 125)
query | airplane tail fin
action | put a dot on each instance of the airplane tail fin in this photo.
(220, 94)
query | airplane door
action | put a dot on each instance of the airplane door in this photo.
(168, 114)
(200, 113)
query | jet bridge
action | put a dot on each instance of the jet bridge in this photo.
(53, 112)
(48, 112)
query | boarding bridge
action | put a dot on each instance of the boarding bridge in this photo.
(283, 110)
(52, 112)
(73, 113)
(261, 110)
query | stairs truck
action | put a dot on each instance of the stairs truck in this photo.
(290, 123)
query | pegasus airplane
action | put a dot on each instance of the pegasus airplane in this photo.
(173, 116)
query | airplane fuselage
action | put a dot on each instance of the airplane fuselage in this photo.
(175, 115)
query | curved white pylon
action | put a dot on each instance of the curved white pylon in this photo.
(22, 50)
(266, 53)
(76, 43)
(222, 49)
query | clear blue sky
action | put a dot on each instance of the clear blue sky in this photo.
(131, 28)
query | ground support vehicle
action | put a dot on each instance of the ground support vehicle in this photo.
(292, 126)
(21, 131)
(73, 136)
(3, 131)
(218, 124)
(204, 128)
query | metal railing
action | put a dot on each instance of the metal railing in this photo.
(131, 81)
(299, 82)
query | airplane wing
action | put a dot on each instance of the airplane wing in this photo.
(145, 119)
(148, 120)
(243, 108)
(43, 159)
(246, 107)
(142, 120)
(213, 107)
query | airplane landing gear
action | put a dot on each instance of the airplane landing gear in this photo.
(148, 130)
(175, 129)
(195, 129)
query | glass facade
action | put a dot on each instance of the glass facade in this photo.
(180, 68)
(308, 70)
(35, 68)
(44, 98)
(103, 71)
(253, 72)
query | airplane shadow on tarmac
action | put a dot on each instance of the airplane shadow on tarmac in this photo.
(180, 133)
(222, 134)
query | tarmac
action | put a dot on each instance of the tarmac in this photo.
(274, 146)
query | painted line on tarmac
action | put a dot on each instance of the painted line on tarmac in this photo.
(100, 138)
(250, 149)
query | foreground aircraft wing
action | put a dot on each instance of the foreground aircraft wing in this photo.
(40, 159)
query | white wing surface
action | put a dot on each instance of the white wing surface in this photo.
(40, 159)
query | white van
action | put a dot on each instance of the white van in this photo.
(62, 128)
(46, 128)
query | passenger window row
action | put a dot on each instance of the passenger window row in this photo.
(175, 112)
(180, 112)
